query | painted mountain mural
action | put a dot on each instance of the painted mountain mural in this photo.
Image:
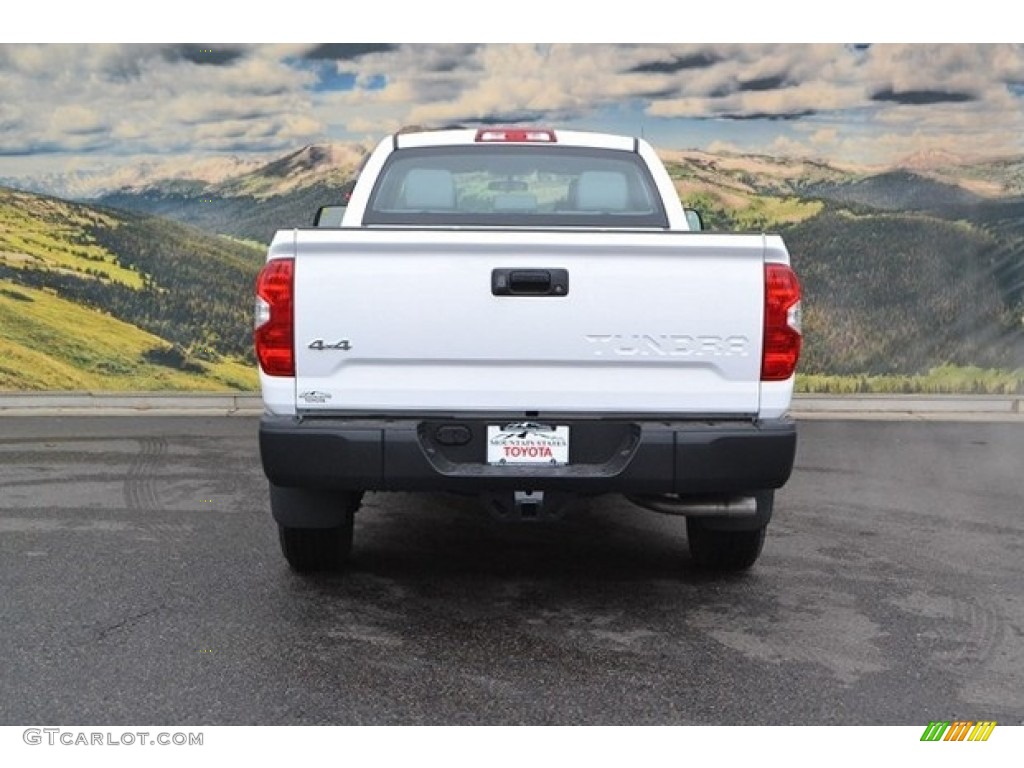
(139, 191)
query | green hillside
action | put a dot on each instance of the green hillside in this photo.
(240, 214)
(896, 293)
(888, 292)
(92, 297)
(896, 191)
(50, 343)
(45, 233)
(252, 206)
(735, 200)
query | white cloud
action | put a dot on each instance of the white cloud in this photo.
(143, 98)
(824, 137)
(75, 119)
(724, 147)
(149, 99)
(787, 147)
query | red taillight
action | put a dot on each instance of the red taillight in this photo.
(275, 318)
(782, 335)
(542, 135)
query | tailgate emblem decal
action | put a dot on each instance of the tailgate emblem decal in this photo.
(667, 345)
(315, 397)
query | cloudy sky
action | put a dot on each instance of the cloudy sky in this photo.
(72, 107)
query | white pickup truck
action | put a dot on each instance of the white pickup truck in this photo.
(525, 315)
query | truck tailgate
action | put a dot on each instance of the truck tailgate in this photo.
(451, 321)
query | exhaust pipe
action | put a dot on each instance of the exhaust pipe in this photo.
(698, 506)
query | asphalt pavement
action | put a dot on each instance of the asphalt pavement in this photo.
(141, 582)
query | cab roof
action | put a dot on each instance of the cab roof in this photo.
(514, 135)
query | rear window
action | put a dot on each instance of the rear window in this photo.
(531, 186)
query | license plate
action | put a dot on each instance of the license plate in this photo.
(527, 442)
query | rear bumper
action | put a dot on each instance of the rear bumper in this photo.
(632, 457)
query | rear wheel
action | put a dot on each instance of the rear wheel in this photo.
(718, 546)
(325, 548)
(309, 550)
(724, 551)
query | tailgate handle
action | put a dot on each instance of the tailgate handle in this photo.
(530, 282)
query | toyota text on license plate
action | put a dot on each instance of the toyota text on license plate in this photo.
(527, 442)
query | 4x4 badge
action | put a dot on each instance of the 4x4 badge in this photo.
(320, 345)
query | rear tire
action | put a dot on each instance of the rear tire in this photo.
(312, 550)
(724, 551)
(720, 546)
